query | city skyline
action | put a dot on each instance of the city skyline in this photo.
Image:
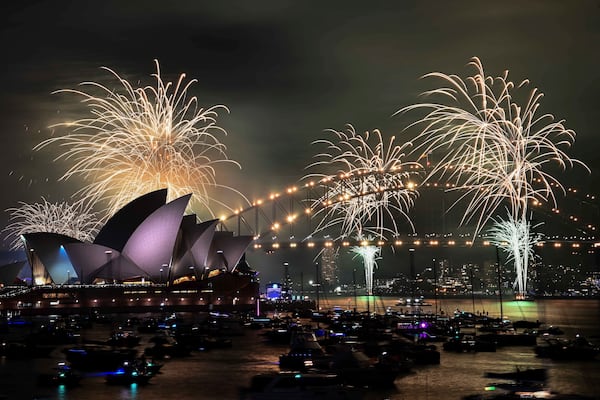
(285, 72)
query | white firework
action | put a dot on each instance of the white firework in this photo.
(367, 188)
(492, 149)
(515, 237)
(74, 220)
(141, 139)
(369, 255)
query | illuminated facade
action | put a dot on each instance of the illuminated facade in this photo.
(147, 240)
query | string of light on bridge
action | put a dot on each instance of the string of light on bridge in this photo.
(292, 217)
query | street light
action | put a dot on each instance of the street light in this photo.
(161, 276)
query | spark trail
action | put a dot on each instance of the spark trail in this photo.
(515, 237)
(74, 220)
(495, 151)
(365, 184)
(139, 139)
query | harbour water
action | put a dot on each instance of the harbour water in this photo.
(220, 373)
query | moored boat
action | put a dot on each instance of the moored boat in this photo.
(527, 375)
(63, 375)
(299, 386)
(128, 373)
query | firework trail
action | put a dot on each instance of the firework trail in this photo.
(142, 139)
(369, 255)
(74, 220)
(515, 237)
(494, 150)
(367, 189)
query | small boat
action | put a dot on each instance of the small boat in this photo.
(123, 339)
(521, 375)
(96, 357)
(408, 302)
(127, 374)
(510, 338)
(305, 352)
(299, 386)
(467, 343)
(563, 349)
(63, 375)
(522, 390)
(354, 368)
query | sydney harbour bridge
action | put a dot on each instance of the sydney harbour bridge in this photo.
(288, 219)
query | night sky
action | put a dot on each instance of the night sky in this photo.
(287, 70)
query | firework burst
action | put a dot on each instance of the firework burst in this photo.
(369, 255)
(367, 190)
(516, 239)
(142, 139)
(73, 220)
(494, 150)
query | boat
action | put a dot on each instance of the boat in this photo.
(522, 390)
(97, 357)
(510, 338)
(353, 367)
(127, 374)
(166, 347)
(147, 365)
(521, 375)
(468, 343)
(299, 386)
(123, 339)
(63, 375)
(408, 302)
(21, 350)
(564, 349)
(305, 352)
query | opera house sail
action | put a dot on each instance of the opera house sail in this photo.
(148, 254)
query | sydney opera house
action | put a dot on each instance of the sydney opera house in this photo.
(149, 254)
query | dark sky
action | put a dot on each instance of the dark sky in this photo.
(287, 70)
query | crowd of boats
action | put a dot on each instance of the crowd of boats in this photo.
(337, 354)
(118, 358)
(342, 351)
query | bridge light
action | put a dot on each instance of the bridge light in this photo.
(398, 242)
(451, 242)
(417, 242)
(307, 211)
(310, 244)
(293, 245)
(275, 226)
(345, 243)
(557, 245)
(364, 243)
(275, 245)
(380, 243)
(486, 243)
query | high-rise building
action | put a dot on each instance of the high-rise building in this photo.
(329, 267)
